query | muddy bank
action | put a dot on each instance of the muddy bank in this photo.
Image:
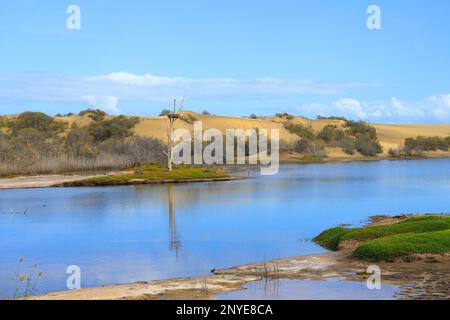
(188, 288)
(61, 181)
(421, 277)
(105, 183)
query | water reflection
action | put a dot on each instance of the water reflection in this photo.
(175, 244)
(138, 233)
(332, 289)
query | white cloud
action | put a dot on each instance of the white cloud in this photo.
(433, 108)
(350, 105)
(106, 91)
(48, 87)
(108, 104)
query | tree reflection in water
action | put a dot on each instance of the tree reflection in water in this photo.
(175, 244)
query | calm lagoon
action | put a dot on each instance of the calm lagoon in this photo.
(136, 233)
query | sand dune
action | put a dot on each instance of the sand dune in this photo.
(390, 135)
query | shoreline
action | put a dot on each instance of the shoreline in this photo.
(424, 278)
(76, 180)
(418, 276)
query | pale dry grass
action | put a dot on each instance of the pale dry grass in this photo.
(66, 164)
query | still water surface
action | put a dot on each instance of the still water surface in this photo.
(135, 233)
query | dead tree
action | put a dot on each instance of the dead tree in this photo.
(172, 117)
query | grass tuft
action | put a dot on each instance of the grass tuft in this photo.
(401, 245)
(153, 172)
(428, 234)
(331, 238)
(411, 225)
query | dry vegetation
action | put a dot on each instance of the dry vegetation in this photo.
(32, 143)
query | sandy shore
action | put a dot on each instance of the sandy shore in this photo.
(425, 276)
(187, 288)
(43, 181)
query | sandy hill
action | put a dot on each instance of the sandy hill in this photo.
(390, 136)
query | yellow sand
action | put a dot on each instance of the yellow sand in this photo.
(390, 136)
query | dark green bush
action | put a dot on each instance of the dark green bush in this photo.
(367, 146)
(285, 115)
(356, 128)
(2, 121)
(33, 145)
(38, 121)
(310, 148)
(300, 130)
(118, 127)
(331, 133)
(165, 113)
(331, 118)
(421, 144)
(96, 115)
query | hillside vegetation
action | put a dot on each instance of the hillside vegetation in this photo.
(34, 142)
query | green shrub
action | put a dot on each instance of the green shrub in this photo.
(310, 148)
(38, 121)
(300, 130)
(3, 122)
(401, 245)
(96, 115)
(118, 127)
(79, 143)
(331, 238)
(331, 133)
(421, 144)
(101, 145)
(331, 118)
(348, 145)
(414, 225)
(285, 115)
(356, 128)
(165, 113)
(367, 145)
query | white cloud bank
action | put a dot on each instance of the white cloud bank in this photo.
(431, 109)
(127, 86)
(107, 91)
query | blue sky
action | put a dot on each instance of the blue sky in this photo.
(229, 57)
